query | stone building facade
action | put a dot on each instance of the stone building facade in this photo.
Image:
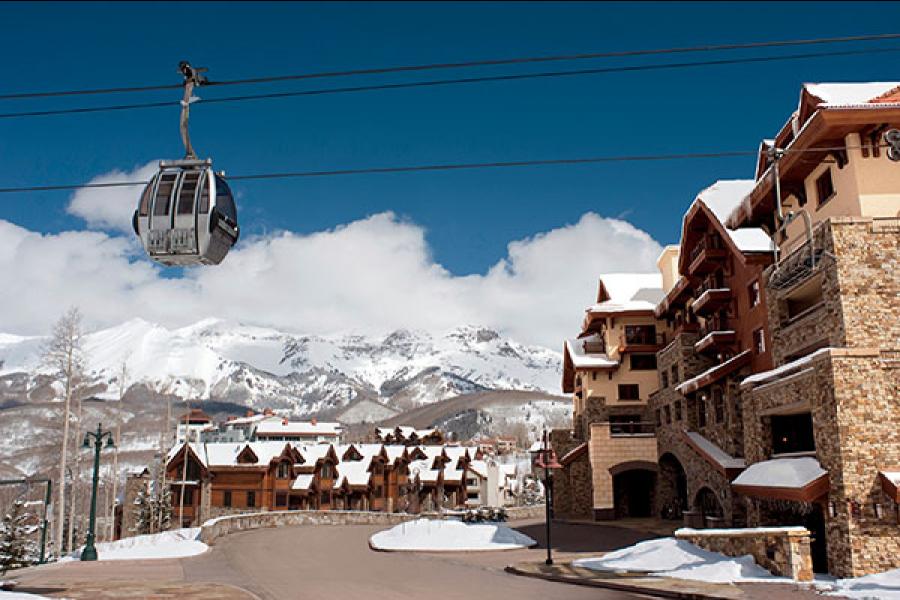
(844, 384)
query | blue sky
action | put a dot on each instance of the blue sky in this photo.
(469, 217)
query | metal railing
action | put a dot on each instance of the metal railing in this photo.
(632, 428)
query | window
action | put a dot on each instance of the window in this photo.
(629, 391)
(674, 374)
(187, 494)
(643, 362)
(472, 495)
(640, 334)
(325, 472)
(663, 379)
(193, 471)
(594, 375)
(792, 433)
(186, 193)
(753, 293)
(326, 498)
(280, 499)
(824, 187)
(377, 469)
(251, 499)
(718, 404)
(226, 498)
(145, 200)
(379, 491)
(668, 415)
(678, 410)
(759, 341)
(658, 418)
(701, 412)
(284, 470)
(204, 197)
(163, 192)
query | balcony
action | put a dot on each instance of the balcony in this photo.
(712, 300)
(641, 340)
(715, 336)
(707, 256)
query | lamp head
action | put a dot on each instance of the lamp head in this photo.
(87, 442)
(110, 443)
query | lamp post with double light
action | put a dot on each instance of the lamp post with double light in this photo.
(96, 439)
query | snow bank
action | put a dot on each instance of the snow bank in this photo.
(668, 557)
(881, 585)
(19, 596)
(426, 535)
(177, 543)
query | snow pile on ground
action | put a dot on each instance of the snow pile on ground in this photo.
(20, 596)
(168, 544)
(426, 535)
(668, 557)
(880, 585)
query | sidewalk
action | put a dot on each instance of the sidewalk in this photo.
(661, 587)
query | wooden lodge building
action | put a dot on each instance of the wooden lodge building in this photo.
(229, 478)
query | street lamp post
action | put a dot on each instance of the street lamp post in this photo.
(96, 438)
(546, 461)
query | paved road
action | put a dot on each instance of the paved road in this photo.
(335, 562)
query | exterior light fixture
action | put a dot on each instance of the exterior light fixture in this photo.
(879, 510)
(832, 510)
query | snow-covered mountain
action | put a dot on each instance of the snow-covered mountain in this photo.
(297, 374)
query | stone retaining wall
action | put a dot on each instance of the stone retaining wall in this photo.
(784, 551)
(217, 528)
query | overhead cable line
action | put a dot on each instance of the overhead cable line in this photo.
(467, 64)
(457, 81)
(437, 167)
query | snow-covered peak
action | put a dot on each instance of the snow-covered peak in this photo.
(298, 374)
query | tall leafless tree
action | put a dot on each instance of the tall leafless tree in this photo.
(64, 354)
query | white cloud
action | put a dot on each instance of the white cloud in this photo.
(111, 208)
(374, 275)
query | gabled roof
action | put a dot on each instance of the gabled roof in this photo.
(799, 479)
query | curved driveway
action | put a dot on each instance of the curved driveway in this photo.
(335, 563)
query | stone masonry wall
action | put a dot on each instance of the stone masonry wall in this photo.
(783, 551)
(572, 492)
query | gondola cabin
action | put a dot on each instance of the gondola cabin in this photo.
(186, 215)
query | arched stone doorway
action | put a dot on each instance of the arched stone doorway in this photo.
(671, 486)
(707, 504)
(634, 488)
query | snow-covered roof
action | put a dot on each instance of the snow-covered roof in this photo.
(623, 286)
(584, 360)
(725, 460)
(303, 482)
(722, 198)
(284, 427)
(479, 467)
(313, 453)
(849, 94)
(394, 452)
(892, 476)
(356, 473)
(782, 473)
(453, 475)
(784, 370)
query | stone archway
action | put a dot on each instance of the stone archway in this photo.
(672, 488)
(634, 488)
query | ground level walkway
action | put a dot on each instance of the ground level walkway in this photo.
(335, 562)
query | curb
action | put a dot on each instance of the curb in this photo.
(606, 584)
